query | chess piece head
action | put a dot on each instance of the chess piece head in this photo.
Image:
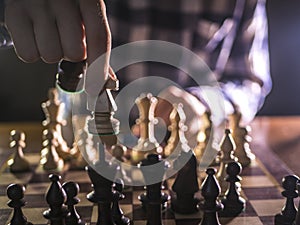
(210, 188)
(227, 143)
(15, 191)
(290, 182)
(55, 194)
(233, 168)
(72, 190)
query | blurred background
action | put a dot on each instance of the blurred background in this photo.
(24, 86)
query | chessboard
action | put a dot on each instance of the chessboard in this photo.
(261, 187)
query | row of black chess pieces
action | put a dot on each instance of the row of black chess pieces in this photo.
(63, 198)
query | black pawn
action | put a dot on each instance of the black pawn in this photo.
(15, 192)
(72, 190)
(117, 213)
(233, 203)
(184, 202)
(297, 221)
(210, 190)
(56, 197)
(289, 211)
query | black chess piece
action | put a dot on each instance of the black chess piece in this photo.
(70, 74)
(297, 220)
(288, 213)
(185, 202)
(233, 203)
(210, 190)
(15, 192)
(117, 213)
(102, 194)
(153, 198)
(72, 190)
(56, 197)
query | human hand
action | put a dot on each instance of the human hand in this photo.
(58, 29)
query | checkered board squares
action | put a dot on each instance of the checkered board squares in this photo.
(259, 188)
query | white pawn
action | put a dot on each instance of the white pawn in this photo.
(50, 159)
(18, 163)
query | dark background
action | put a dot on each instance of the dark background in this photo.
(24, 86)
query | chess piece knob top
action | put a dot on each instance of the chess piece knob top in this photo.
(15, 191)
(290, 182)
(233, 168)
(211, 171)
(71, 188)
(54, 177)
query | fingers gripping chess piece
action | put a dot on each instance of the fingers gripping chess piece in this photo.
(147, 143)
(289, 211)
(15, 193)
(18, 163)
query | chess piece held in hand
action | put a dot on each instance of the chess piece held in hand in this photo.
(18, 163)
